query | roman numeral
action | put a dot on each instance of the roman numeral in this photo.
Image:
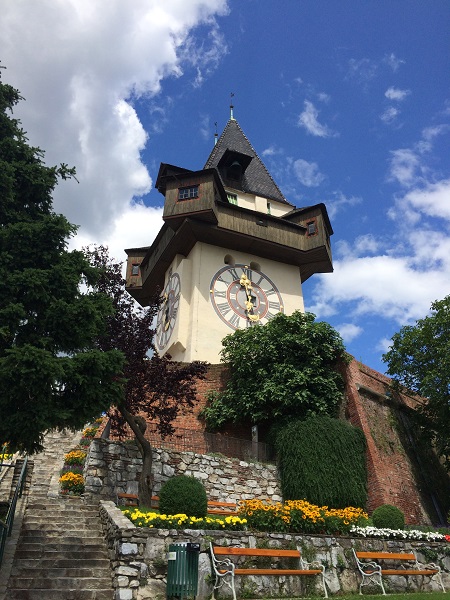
(274, 305)
(220, 294)
(224, 308)
(234, 320)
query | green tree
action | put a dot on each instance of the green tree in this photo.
(51, 373)
(285, 369)
(157, 389)
(419, 360)
(322, 460)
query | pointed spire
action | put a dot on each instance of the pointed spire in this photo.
(231, 107)
(216, 135)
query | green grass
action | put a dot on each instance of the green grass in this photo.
(355, 596)
(407, 596)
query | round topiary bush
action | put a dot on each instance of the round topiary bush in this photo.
(388, 517)
(183, 495)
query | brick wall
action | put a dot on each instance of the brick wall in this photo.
(391, 478)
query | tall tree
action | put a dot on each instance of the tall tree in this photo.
(156, 388)
(51, 375)
(419, 360)
(285, 369)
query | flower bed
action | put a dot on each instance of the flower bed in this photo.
(71, 475)
(292, 516)
(399, 534)
(300, 516)
(181, 521)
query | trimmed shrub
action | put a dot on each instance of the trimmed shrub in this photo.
(322, 460)
(183, 495)
(387, 516)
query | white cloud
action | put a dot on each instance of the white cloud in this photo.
(307, 173)
(383, 345)
(272, 151)
(389, 115)
(405, 166)
(308, 119)
(429, 133)
(349, 331)
(142, 221)
(363, 70)
(340, 201)
(393, 61)
(432, 200)
(80, 65)
(393, 287)
(396, 94)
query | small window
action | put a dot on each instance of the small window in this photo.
(269, 208)
(135, 269)
(232, 198)
(188, 192)
(311, 228)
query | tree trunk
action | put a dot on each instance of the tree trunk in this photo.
(138, 426)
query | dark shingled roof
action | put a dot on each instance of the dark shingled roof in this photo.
(256, 179)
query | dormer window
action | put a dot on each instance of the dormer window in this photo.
(135, 269)
(311, 227)
(232, 198)
(187, 193)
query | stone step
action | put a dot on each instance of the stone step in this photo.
(78, 525)
(60, 546)
(40, 522)
(27, 594)
(62, 563)
(43, 537)
(72, 555)
(59, 583)
(58, 572)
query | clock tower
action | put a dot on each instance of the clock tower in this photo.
(231, 254)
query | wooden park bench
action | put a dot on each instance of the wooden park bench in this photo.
(225, 569)
(214, 507)
(373, 566)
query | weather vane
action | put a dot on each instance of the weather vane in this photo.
(231, 106)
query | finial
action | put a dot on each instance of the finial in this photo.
(231, 107)
(216, 135)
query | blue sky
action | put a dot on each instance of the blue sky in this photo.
(346, 102)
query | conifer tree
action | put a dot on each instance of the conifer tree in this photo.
(51, 373)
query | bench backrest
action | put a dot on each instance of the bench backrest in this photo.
(234, 551)
(386, 555)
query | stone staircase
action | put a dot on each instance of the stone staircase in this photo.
(61, 552)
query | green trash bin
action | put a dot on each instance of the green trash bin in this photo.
(182, 570)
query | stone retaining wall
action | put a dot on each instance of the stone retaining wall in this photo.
(114, 467)
(139, 560)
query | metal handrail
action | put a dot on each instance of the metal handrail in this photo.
(7, 525)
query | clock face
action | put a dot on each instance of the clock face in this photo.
(243, 297)
(168, 311)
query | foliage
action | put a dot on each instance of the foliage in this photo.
(284, 369)
(156, 389)
(51, 375)
(323, 460)
(299, 516)
(387, 516)
(183, 521)
(183, 494)
(419, 360)
(72, 482)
